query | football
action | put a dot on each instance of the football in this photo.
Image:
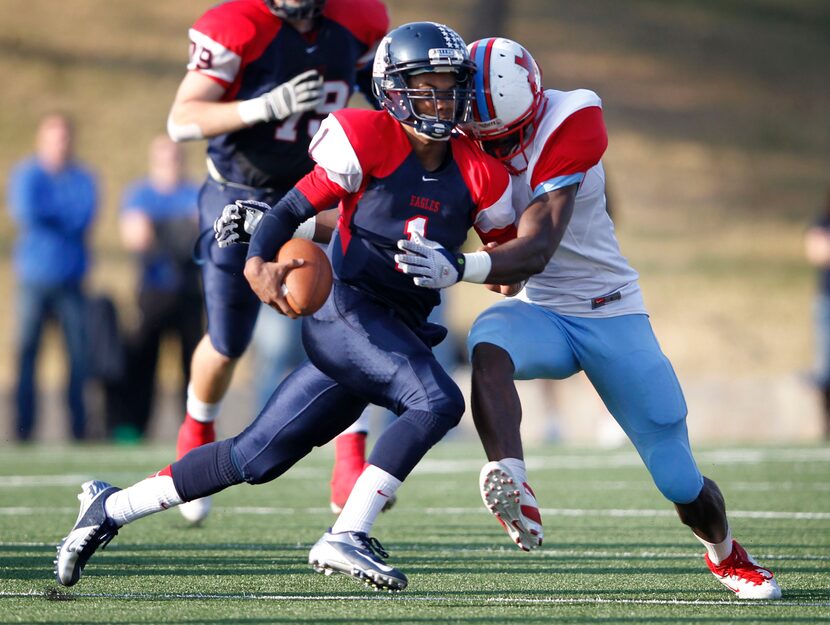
(307, 287)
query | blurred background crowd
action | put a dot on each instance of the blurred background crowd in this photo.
(719, 164)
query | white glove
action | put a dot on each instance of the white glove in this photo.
(238, 222)
(433, 266)
(298, 95)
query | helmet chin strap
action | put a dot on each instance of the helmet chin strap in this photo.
(437, 131)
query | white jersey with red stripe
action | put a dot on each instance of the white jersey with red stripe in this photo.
(587, 276)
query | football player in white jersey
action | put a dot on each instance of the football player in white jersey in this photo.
(580, 309)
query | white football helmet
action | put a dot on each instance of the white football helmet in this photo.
(507, 100)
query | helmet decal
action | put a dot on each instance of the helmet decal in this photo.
(528, 63)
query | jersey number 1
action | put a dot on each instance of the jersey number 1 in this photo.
(415, 224)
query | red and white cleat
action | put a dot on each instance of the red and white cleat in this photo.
(513, 504)
(744, 576)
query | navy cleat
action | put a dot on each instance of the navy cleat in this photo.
(92, 530)
(357, 555)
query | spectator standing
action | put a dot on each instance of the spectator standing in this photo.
(817, 248)
(53, 200)
(159, 224)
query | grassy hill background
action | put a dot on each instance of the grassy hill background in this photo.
(719, 150)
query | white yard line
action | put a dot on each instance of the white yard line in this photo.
(412, 598)
(545, 552)
(549, 512)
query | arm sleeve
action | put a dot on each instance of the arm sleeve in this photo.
(279, 223)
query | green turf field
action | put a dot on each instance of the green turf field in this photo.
(614, 552)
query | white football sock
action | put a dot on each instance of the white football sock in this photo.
(201, 411)
(366, 501)
(718, 552)
(517, 469)
(148, 496)
(361, 425)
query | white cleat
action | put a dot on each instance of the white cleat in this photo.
(513, 504)
(357, 555)
(195, 511)
(92, 530)
(744, 576)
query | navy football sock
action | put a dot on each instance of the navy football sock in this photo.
(205, 470)
(407, 439)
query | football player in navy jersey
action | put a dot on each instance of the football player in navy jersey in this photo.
(581, 309)
(399, 172)
(262, 76)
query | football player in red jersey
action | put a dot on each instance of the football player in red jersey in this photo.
(371, 342)
(262, 76)
(581, 309)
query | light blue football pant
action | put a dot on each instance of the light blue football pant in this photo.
(624, 362)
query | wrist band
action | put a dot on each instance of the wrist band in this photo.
(477, 267)
(253, 111)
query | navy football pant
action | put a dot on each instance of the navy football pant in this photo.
(231, 305)
(359, 353)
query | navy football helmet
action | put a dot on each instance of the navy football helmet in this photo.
(417, 48)
(299, 10)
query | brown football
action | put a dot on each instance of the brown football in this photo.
(308, 286)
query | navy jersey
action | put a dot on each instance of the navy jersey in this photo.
(365, 160)
(245, 48)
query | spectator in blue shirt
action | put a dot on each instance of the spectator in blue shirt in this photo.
(159, 224)
(53, 200)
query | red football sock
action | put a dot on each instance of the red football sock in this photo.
(349, 461)
(193, 434)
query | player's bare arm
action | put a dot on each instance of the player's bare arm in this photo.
(540, 229)
(197, 111)
(324, 224)
(539, 232)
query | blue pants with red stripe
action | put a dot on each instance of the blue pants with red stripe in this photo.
(359, 353)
